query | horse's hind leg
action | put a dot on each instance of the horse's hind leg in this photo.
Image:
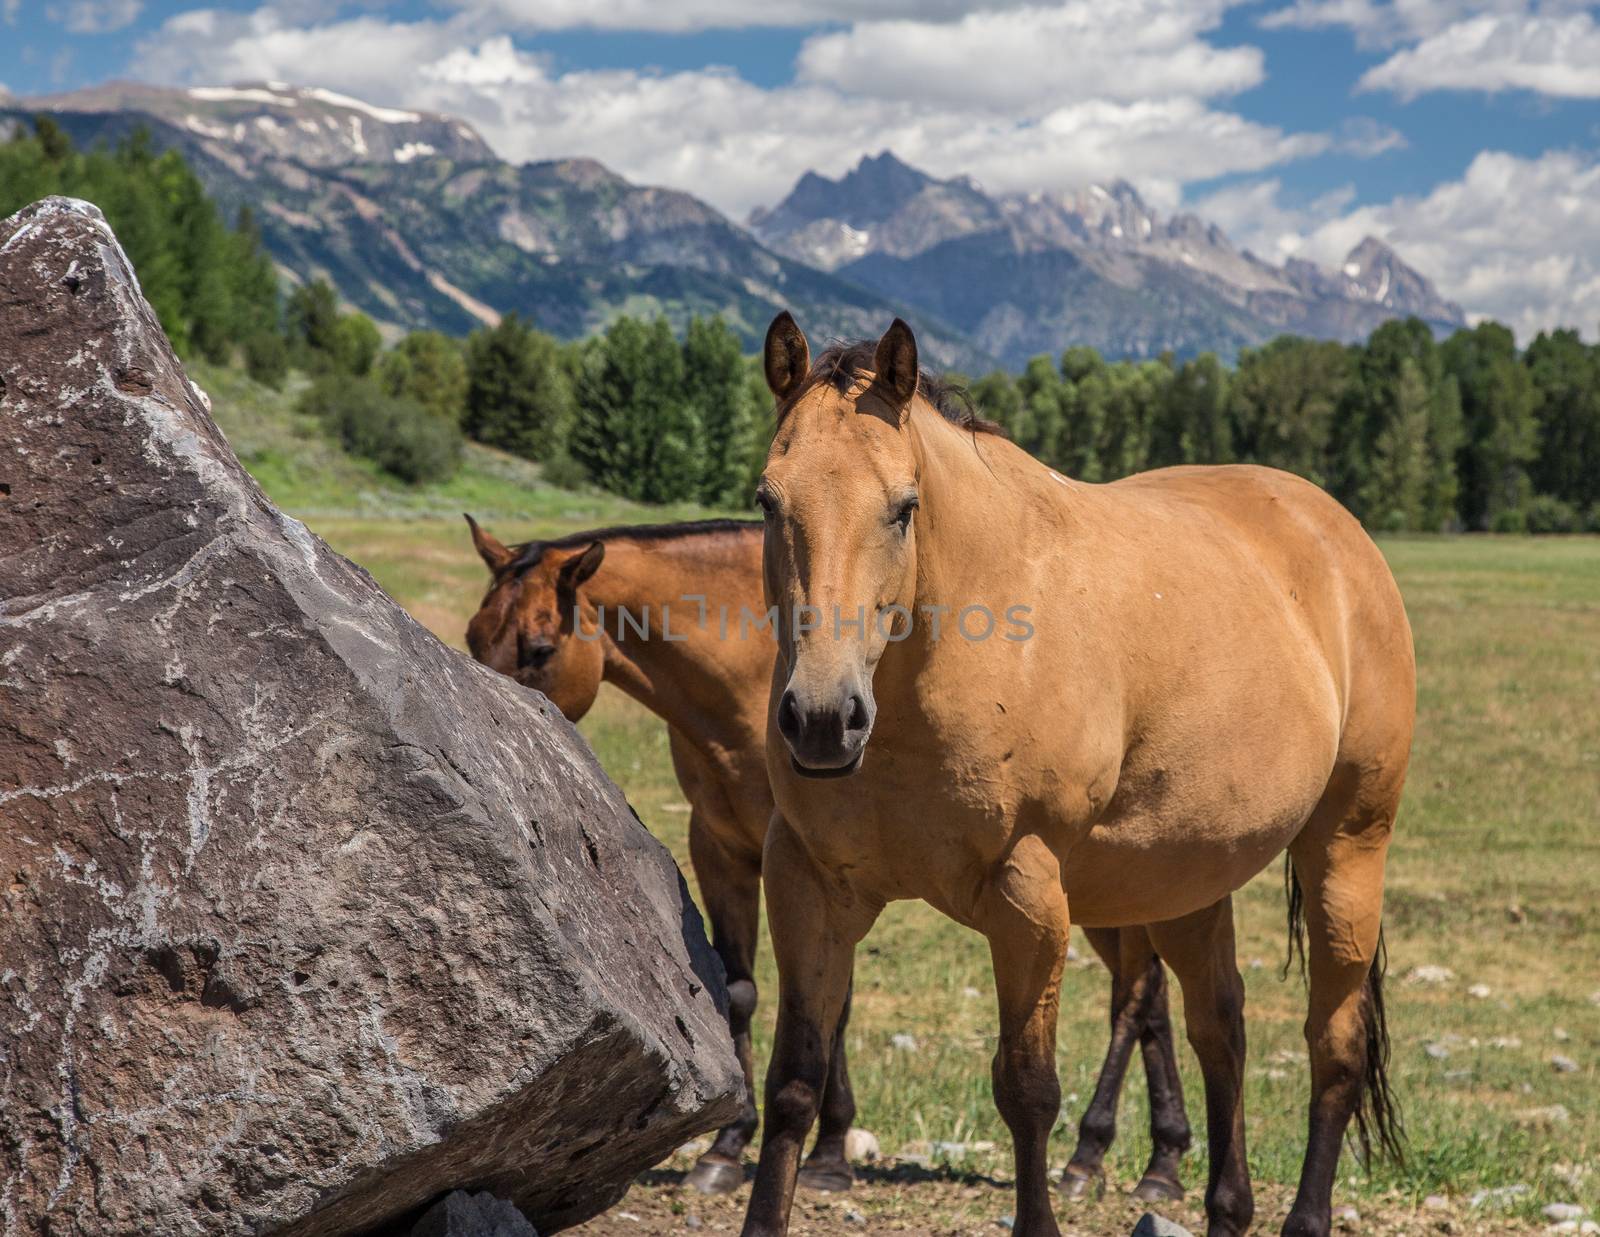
(1138, 1015)
(730, 889)
(828, 1167)
(1169, 1122)
(1339, 862)
(1200, 950)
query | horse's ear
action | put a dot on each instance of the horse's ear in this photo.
(580, 567)
(896, 364)
(494, 555)
(786, 356)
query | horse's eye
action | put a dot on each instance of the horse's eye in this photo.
(764, 501)
(902, 515)
(531, 656)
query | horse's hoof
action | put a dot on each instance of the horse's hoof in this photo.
(715, 1176)
(1153, 1189)
(1080, 1183)
(832, 1176)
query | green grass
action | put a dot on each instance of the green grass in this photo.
(1493, 872)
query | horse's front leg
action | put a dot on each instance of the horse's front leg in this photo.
(828, 1167)
(815, 924)
(1023, 913)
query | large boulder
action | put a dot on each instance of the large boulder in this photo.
(305, 919)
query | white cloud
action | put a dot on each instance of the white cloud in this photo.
(9, 9)
(90, 16)
(1386, 23)
(685, 15)
(1083, 49)
(1515, 239)
(1549, 55)
(739, 145)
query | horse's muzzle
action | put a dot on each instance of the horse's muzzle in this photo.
(827, 740)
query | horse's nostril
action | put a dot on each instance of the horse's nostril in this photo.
(855, 717)
(788, 717)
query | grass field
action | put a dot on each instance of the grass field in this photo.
(1493, 875)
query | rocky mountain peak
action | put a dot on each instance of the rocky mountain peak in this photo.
(273, 120)
(1374, 272)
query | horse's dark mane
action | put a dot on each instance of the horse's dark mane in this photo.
(841, 363)
(528, 553)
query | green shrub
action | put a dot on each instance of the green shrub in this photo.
(1509, 520)
(563, 471)
(397, 434)
(1549, 514)
(266, 358)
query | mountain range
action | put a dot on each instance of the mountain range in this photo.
(1026, 273)
(417, 222)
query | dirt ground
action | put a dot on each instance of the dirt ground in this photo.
(894, 1196)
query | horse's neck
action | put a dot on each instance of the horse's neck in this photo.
(978, 490)
(679, 668)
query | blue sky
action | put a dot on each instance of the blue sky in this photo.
(1465, 132)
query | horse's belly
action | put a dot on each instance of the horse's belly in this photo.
(1141, 865)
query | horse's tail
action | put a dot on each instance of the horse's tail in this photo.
(1377, 1113)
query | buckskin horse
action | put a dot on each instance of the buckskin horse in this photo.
(1218, 668)
(553, 618)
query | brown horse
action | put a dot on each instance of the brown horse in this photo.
(1111, 702)
(709, 683)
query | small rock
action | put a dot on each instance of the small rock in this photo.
(971, 994)
(904, 1042)
(1072, 953)
(854, 1217)
(1457, 1075)
(1594, 997)
(459, 1214)
(1506, 1041)
(950, 1151)
(1007, 1222)
(1428, 974)
(1516, 914)
(1256, 964)
(1563, 1065)
(1479, 992)
(1152, 1225)
(1436, 1202)
(1565, 1226)
(1500, 1195)
(861, 1146)
(1346, 1218)
(1564, 1211)
(1550, 1114)
(1589, 1226)
(692, 1220)
(1437, 1051)
(1561, 1035)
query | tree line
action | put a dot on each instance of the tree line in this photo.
(1409, 432)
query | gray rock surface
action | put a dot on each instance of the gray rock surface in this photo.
(305, 919)
(459, 1214)
(1152, 1225)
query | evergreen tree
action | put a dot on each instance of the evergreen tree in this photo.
(429, 368)
(637, 433)
(1566, 383)
(1283, 398)
(1192, 425)
(718, 383)
(518, 394)
(1501, 434)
